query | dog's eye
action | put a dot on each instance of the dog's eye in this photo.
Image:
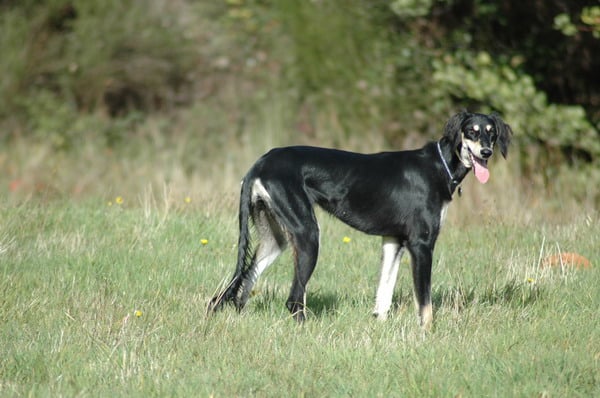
(473, 131)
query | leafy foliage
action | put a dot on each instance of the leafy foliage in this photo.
(411, 8)
(77, 69)
(78, 57)
(590, 22)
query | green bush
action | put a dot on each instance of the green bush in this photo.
(65, 58)
(590, 22)
(338, 60)
(143, 64)
(81, 69)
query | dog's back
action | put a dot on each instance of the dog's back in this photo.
(374, 193)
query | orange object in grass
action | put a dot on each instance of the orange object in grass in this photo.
(567, 260)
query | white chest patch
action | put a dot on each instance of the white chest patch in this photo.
(444, 212)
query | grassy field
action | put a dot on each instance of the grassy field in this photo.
(108, 298)
(117, 229)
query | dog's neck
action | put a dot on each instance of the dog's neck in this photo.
(454, 170)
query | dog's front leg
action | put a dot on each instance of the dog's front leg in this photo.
(421, 255)
(390, 262)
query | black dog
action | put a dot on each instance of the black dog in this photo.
(401, 196)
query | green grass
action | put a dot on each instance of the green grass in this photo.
(73, 275)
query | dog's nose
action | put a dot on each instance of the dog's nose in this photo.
(486, 153)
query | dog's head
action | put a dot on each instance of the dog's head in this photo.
(473, 136)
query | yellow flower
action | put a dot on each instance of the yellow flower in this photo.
(119, 200)
(346, 239)
(187, 200)
(138, 313)
(530, 280)
(204, 241)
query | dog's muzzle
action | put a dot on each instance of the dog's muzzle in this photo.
(479, 164)
(486, 153)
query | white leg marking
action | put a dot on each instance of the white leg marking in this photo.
(265, 257)
(426, 316)
(425, 313)
(392, 253)
(268, 248)
(266, 253)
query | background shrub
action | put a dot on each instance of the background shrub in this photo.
(332, 71)
(70, 58)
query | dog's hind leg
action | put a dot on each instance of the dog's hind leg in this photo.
(306, 252)
(303, 231)
(390, 262)
(271, 241)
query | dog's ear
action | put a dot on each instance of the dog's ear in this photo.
(504, 133)
(453, 128)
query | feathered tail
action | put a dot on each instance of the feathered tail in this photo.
(244, 250)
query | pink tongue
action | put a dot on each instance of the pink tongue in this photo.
(481, 171)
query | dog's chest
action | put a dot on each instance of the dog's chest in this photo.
(443, 212)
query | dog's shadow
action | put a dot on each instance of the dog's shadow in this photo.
(323, 304)
(318, 304)
(457, 298)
